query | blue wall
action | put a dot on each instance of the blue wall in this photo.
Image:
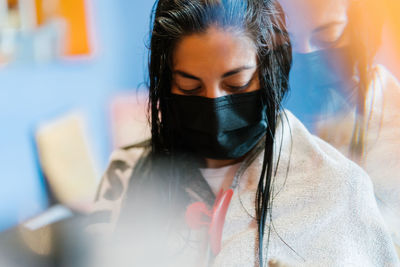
(31, 93)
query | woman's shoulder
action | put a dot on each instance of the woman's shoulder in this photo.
(386, 84)
(114, 184)
(315, 186)
(129, 154)
(304, 146)
(385, 76)
(319, 195)
(121, 164)
(307, 160)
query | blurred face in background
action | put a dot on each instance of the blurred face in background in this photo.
(322, 75)
(316, 24)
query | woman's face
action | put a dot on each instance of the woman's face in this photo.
(316, 24)
(214, 64)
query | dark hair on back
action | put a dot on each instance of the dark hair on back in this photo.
(260, 20)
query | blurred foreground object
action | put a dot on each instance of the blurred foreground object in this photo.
(63, 244)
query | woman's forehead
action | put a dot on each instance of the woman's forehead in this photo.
(215, 50)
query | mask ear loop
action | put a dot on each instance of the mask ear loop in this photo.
(247, 162)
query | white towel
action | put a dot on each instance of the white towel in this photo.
(324, 209)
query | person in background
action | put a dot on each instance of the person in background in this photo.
(230, 178)
(342, 96)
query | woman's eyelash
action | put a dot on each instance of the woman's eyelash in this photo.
(189, 91)
(230, 87)
(333, 42)
(330, 42)
(238, 88)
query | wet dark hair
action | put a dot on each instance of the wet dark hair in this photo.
(260, 20)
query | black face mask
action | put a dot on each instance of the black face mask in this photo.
(219, 128)
(320, 83)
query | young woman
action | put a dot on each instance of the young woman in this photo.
(335, 43)
(228, 177)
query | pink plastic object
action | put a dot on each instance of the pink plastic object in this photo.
(198, 215)
(218, 219)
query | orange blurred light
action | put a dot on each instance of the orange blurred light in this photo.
(73, 12)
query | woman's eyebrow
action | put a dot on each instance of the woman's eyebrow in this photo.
(229, 73)
(186, 75)
(237, 70)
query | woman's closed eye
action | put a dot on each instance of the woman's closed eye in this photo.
(236, 87)
(187, 86)
(329, 36)
(236, 81)
(241, 82)
(190, 90)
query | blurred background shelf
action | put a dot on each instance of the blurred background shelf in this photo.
(33, 92)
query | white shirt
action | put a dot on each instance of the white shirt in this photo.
(219, 178)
